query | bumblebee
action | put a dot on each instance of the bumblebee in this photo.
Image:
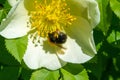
(58, 38)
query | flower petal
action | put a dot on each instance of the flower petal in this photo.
(87, 9)
(15, 23)
(13, 2)
(81, 32)
(37, 57)
(73, 53)
(93, 12)
(80, 43)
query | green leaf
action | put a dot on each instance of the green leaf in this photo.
(44, 74)
(112, 37)
(2, 1)
(115, 6)
(67, 75)
(74, 68)
(98, 36)
(105, 15)
(17, 47)
(9, 73)
(25, 74)
(80, 76)
(3, 13)
(5, 57)
(114, 41)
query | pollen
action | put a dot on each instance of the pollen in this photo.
(49, 16)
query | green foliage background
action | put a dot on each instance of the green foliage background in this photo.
(104, 66)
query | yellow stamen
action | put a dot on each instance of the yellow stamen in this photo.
(49, 17)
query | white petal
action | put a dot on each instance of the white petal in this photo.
(12, 2)
(80, 44)
(74, 53)
(81, 32)
(37, 57)
(93, 12)
(15, 23)
(87, 9)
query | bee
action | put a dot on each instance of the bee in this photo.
(57, 38)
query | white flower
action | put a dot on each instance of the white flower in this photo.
(43, 20)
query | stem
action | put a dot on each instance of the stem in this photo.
(61, 75)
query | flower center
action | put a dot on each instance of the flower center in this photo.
(49, 16)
